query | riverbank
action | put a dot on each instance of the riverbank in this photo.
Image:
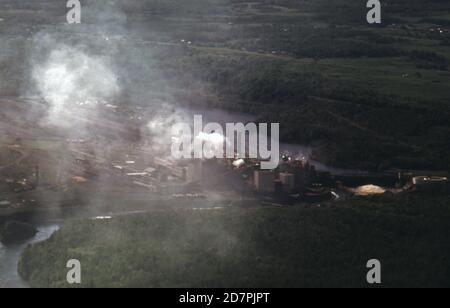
(10, 254)
(301, 246)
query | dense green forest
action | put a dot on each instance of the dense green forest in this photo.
(302, 246)
(368, 96)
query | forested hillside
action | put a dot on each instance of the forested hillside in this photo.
(366, 96)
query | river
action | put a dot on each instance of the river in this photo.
(9, 257)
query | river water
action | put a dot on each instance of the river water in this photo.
(9, 257)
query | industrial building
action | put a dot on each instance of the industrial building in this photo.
(171, 166)
(288, 181)
(194, 171)
(431, 184)
(264, 181)
(426, 180)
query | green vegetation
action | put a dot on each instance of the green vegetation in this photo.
(302, 246)
(365, 96)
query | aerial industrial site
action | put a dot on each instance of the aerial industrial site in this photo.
(224, 144)
(119, 160)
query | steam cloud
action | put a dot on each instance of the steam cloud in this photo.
(70, 78)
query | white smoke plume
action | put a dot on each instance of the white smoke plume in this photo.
(70, 79)
(159, 128)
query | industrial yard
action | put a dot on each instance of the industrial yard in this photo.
(41, 170)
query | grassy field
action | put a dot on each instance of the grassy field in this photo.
(302, 246)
